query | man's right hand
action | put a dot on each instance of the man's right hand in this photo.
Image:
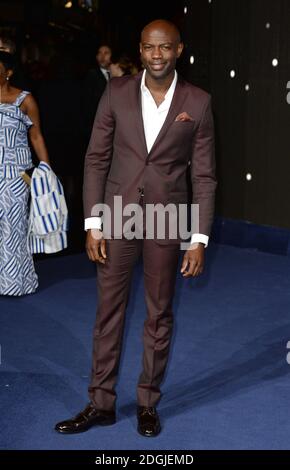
(96, 246)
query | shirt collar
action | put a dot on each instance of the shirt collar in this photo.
(170, 90)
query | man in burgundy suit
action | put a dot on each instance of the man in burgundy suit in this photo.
(148, 129)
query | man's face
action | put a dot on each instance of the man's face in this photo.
(159, 49)
(104, 56)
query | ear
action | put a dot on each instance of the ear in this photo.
(9, 73)
(179, 49)
(140, 47)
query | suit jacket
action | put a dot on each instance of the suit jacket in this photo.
(93, 87)
(118, 163)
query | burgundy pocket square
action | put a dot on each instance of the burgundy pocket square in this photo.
(183, 117)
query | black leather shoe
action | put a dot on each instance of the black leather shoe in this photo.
(87, 418)
(148, 421)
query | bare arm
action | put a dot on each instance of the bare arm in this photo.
(35, 134)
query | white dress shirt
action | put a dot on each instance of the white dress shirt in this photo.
(153, 120)
(153, 116)
(106, 73)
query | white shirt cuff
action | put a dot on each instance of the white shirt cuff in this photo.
(93, 222)
(199, 238)
(96, 222)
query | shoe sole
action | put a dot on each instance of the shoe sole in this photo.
(84, 429)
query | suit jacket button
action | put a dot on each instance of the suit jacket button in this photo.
(141, 191)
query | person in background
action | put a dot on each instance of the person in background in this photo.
(122, 66)
(20, 78)
(19, 117)
(93, 87)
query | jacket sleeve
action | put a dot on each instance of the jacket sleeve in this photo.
(203, 170)
(99, 155)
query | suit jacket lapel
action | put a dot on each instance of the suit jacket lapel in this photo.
(137, 112)
(178, 99)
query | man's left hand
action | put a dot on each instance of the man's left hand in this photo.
(193, 260)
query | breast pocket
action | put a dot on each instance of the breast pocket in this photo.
(183, 126)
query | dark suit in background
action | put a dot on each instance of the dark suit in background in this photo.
(93, 88)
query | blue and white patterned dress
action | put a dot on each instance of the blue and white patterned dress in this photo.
(17, 273)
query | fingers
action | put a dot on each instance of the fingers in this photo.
(197, 270)
(103, 249)
(96, 249)
(94, 254)
(191, 267)
(184, 264)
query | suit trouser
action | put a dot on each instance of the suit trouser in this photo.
(113, 280)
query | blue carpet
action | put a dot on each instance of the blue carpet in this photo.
(227, 384)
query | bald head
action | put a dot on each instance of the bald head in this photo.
(162, 26)
(160, 47)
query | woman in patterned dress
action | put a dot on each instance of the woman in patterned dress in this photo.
(19, 116)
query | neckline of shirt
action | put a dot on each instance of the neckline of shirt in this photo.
(169, 92)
